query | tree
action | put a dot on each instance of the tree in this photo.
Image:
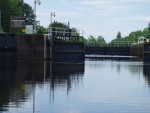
(58, 24)
(118, 35)
(20, 2)
(65, 26)
(75, 32)
(148, 32)
(134, 36)
(27, 11)
(101, 41)
(149, 26)
(91, 41)
(41, 30)
(9, 8)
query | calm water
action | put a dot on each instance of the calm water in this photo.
(93, 86)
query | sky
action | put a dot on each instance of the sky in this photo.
(97, 17)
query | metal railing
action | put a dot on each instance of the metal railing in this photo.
(66, 34)
(112, 44)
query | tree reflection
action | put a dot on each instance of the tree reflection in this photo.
(18, 80)
(65, 75)
(13, 78)
(146, 72)
(7, 78)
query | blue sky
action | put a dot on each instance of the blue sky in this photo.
(97, 17)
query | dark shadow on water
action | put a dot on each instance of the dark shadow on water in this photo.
(146, 72)
(66, 74)
(13, 78)
(7, 78)
(18, 79)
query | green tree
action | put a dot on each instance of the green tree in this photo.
(134, 36)
(147, 31)
(75, 32)
(119, 35)
(91, 41)
(58, 24)
(131, 38)
(101, 41)
(9, 8)
(27, 11)
(41, 30)
(65, 26)
(20, 2)
(148, 26)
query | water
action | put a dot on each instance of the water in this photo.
(93, 86)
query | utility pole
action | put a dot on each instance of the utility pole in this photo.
(51, 15)
(39, 2)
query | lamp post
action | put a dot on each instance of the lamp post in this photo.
(39, 2)
(51, 15)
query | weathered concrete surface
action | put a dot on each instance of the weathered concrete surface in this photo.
(141, 50)
(147, 51)
(137, 50)
(125, 51)
(62, 50)
(26, 46)
(8, 46)
(30, 46)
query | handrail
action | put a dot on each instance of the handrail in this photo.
(112, 44)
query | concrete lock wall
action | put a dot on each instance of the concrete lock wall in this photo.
(13, 46)
(147, 51)
(8, 46)
(117, 51)
(27, 46)
(68, 51)
(30, 46)
(137, 50)
(141, 50)
(108, 50)
(95, 50)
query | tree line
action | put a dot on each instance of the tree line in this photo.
(92, 41)
(119, 40)
(134, 36)
(15, 8)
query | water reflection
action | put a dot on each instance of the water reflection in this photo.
(19, 79)
(7, 78)
(66, 73)
(134, 65)
(99, 85)
(146, 72)
(13, 78)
